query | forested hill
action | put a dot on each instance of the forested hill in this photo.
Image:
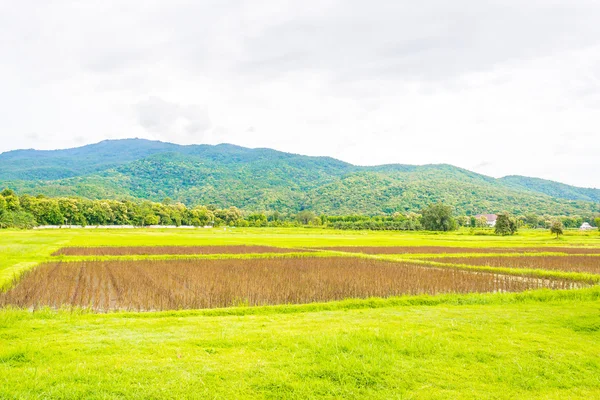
(264, 179)
(555, 189)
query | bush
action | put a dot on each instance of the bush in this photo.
(17, 219)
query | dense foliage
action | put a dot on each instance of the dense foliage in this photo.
(438, 217)
(28, 211)
(258, 180)
(554, 189)
(505, 225)
(395, 222)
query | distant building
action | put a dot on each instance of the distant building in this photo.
(586, 226)
(491, 219)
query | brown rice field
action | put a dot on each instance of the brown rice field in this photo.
(170, 250)
(589, 264)
(194, 284)
(458, 250)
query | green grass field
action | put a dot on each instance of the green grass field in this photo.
(542, 344)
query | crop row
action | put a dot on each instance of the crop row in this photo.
(586, 264)
(194, 284)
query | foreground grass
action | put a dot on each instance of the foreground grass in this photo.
(544, 345)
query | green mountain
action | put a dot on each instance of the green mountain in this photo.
(554, 189)
(264, 179)
(57, 164)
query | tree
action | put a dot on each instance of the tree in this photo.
(2, 204)
(438, 217)
(505, 225)
(12, 201)
(557, 227)
(99, 213)
(305, 217)
(413, 222)
(274, 216)
(47, 212)
(473, 221)
(532, 220)
(597, 222)
(323, 218)
(229, 216)
(70, 210)
(257, 219)
(122, 213)
(202, 216)
(151, 219)
(463, 221)
(482, 222)
(17, 219)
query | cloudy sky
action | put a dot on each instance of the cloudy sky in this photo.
(499, 87)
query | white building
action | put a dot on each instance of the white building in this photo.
(491, 219)
(586, 227)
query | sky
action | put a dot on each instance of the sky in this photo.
(497, 87)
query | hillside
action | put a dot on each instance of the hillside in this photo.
(265, 179)
(57, 164)
(554, 189)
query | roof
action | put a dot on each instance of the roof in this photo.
(489, 217)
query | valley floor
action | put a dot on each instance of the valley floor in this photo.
(539, 344)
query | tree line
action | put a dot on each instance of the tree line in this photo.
(28, 211)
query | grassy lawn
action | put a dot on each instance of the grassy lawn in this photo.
(492, 346)
(522, 350)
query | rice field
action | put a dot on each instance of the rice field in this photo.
(278, 334)
(458, 250)
(582, 263)
(194, 284)
(170, 250)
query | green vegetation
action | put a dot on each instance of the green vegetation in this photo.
(557, 228)
(537, 344)
(554, 189)
(522, 349)
(438, 217)
(28, 211)
(264, 180)
(505, 225)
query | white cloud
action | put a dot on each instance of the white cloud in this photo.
(501, 87)
(171, 121)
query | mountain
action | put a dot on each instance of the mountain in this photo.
(554, 189)
(265, 179)
(57, 164)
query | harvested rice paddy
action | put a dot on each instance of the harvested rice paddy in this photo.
(585, 264)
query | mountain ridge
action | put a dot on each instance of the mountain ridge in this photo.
(267, 179)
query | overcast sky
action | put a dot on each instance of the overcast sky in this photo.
(498, 87)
